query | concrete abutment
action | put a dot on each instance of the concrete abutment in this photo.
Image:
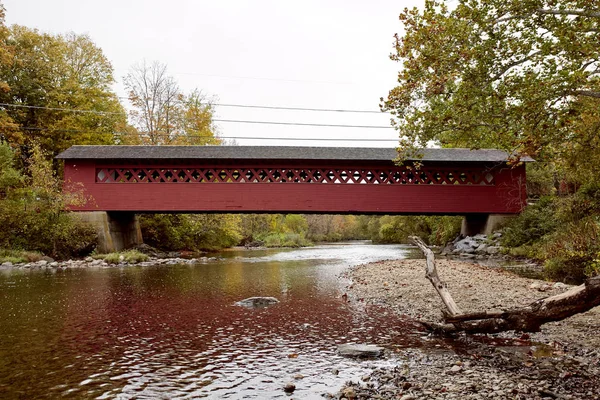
(116, 230)
(474, 224)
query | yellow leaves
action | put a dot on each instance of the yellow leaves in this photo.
(56, 74)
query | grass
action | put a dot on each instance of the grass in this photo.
(19, 256)
(129, 256)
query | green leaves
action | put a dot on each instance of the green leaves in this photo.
(512, 74)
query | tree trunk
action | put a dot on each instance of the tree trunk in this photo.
(526, 319)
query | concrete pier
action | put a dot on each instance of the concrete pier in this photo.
(474, 224)
(116, 230)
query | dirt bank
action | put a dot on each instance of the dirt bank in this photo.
(569, 366)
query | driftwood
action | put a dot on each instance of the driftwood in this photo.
(526, 319)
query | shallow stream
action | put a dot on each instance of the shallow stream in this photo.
(174, 331)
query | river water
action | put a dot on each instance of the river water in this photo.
(175, 332)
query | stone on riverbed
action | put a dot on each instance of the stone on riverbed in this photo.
(257, 302)
(360, 350)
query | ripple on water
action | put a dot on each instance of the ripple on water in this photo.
(167, 332)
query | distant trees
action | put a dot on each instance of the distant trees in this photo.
(162, 113)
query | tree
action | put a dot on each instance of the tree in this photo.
(33, 207)
(48, 76)
(6, 59)
(161, 112)
(520, 75)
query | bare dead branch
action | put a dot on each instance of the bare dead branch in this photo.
(527, 319)
(587, 93)
(543, 11)
(432, 275)
(579, 13)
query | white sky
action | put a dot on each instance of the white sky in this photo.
(304, 53)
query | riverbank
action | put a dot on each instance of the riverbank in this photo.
(561, 361)
(89, 262)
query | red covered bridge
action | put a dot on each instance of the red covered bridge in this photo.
(258, 179)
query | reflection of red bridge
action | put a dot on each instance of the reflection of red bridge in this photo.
(293, 179)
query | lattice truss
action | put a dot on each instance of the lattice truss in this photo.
(377, 176)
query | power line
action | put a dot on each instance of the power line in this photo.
(286, 108)
(316, 139)
(298, 108)
(210, 137)
(62, 109)
(226, 120)
(216, 104)
(304, 124)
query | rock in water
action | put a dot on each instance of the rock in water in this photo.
(257, 302)
(289, 387)
(360, 350)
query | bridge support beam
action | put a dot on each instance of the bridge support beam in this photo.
(116, 230)
(474, 224)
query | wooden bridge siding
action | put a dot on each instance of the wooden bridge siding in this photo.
(507, 196)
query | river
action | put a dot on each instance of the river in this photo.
(175, 332)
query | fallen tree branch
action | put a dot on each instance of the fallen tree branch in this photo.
(435, 280)
(526, 319)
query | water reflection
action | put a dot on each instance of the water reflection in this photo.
(173, 331)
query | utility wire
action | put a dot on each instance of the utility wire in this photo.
(215, 104)
(62, 109)
(303, 124)
(289, 108)
(209, 137)
(298, 108)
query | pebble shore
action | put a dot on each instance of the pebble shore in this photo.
(560, 362)
(89, 262)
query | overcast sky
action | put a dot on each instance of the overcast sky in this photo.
(330, 54)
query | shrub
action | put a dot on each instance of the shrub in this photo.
(443, 229)
(18, 256)
(130, 256)
(34, 207)
(572, 253)
(437, 230)
(285, 240)
(190, 231)
(532, 224)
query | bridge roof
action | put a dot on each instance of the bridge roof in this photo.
(274, 153)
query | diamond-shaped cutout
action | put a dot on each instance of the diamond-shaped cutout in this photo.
(303, 176)
(126, 175)
(383, 176)
(222, 176)
(330, 175)
(141, 176)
